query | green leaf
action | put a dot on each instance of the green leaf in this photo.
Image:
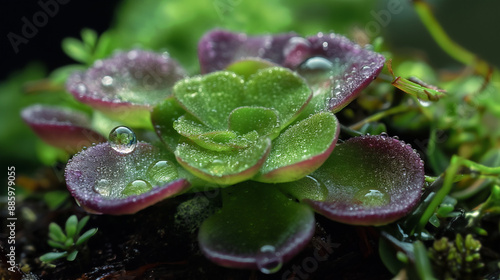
(262, 120)
(256, 217)
(205, 136)
(54, 199)
(371, 180)
(75, 49)
(417, 88)
(300, 149)
(72, 256)
(103, 47)
(52, 256)
(69, 242)
(224, 168)
(54, 244)
(71, 225)
(248, 67)
(56, 232)
(163, 116)
(211, 98)
(280, 89)
(305, 188)
(81, 224)
(85, 236)
(89, 38)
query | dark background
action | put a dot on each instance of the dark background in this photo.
(475, 25)
(45, 46)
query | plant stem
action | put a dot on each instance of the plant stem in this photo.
(422, 262)
(450, 177)
(446, 43)
(375, 117)
(440, 195)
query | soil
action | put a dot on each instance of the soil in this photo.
(152, 245)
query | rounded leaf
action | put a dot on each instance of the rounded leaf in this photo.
(247, 119)
(219, 48)
(337, 70)
(280, 89)
(301, 149)
(226, 167)
(100, 178)
(127, 85)
(371, 180)
(62, 128)
(211, 98)
(258, 227)
(163, 116)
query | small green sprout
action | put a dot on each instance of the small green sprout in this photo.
(70, 242)
(459, 259)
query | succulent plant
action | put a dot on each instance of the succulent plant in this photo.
(258, 124)
(70, 241)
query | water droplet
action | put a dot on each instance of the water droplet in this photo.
(161, 172)
(102, 187)
(325, 45)
(136, 187)
(217, 167)
(372, 198)
(366, 71)
(384, 134)
(316, 69)
(107, 81)
(425, 103)
(98, 63)
(123, 140)
(268, 260)
(132, 54)
(81, 88)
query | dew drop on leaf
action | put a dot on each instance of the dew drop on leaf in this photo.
(268, 260)
(102, 187)
(123, 140)
(316, 69)
(161, 172)
(136, 187)
(81, 88)
(366, 71)
(372, 197)
(107, 81)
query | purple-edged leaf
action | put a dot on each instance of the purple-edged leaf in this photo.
(280, 89)
(127, 85)
(307, 187)
(296, 50)
(104, 180)
(163, 117)
(247, 67)
(62, 128)
(371, 180)
(225, 168)
(258, 227)
(212, 97)
(219, 48)
(337, 70)
(301, 149)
